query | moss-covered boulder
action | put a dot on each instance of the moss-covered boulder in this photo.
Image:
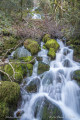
(32, 46)
(52, 53)
(18, 75)
(51, 112)
(76, 76)
(52, 43)
(46, 38)
(9, 92)
(42, 67)
(9, 96)
(4, 110)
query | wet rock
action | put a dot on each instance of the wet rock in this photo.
(66, 51)
(46, 110)
(32, 46)
(21, 52)
(66, 63)
(33, 85)
(19, 113)
(42, 67)
(51, 112)
(48, 78)
(76, 76)
(39, 58)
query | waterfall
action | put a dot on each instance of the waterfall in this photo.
(55, 85)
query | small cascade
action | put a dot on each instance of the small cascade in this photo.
(55, 86)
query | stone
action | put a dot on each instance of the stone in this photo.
(42, 67)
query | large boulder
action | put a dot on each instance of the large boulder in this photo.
(32, 46)
(47, 110)
(9, 96)
(42, 67)
(51, 112)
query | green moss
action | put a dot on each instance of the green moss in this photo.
(76, 76)
(30, 68)
(9, 92)
(9, 96)
(32, 46)
(20, 71)
(52, 43)
(52, 53)
(44, 47)
(31, 88)
(42, 67)
(50, 111)
(27, 59)
(46, 38)
(4, 110)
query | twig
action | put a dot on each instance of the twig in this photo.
(6, 74)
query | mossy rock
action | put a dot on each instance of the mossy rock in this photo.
(52, 43)
(9, 96)
(32, 46)
(33, 85)
(20, 71)
(76, 76)
(9, 92)
(30, 68)
(52, 53)
(28, 59)
(46, 38)
(4, 110)
(42, 67)
(51, 112)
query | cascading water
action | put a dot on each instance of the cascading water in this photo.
(54, 85)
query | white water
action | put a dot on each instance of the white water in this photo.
(56, 86)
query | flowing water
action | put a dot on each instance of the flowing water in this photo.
(55, 85)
